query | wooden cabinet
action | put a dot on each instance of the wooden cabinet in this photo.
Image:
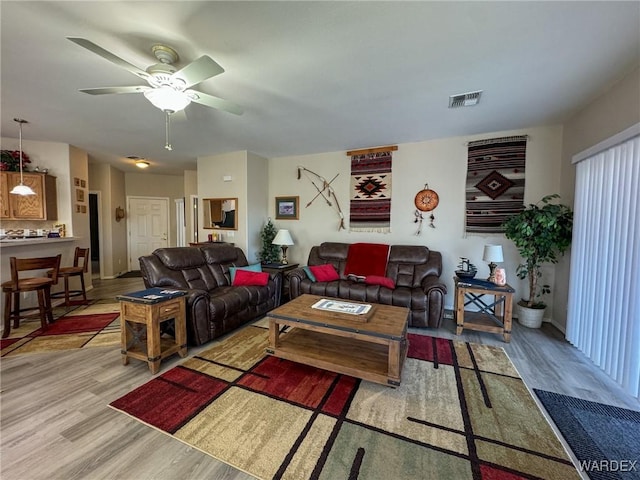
(41, 206)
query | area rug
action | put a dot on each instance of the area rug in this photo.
(495, 182)
(461, 412)
(370, 206)
(605, 439)
(93, 325)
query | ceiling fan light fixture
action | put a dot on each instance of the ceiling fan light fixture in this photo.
(142, 164)
(166, 98)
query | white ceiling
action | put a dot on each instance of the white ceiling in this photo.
(311, 76)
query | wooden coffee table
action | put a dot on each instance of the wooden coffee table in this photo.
(372, 350)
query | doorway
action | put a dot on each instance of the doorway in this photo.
(148, 227)
(94, 228)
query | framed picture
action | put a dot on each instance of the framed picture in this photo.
(79, 195)
(287, 208)
(83, 209)
(78, 209)
(83, 183)
(76, 181)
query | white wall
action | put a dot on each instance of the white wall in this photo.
(441, 164)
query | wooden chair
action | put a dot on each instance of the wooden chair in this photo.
(17, 285)
(80, 267)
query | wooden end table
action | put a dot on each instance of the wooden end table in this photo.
(494, 317)
(281, 269)
(140, 322)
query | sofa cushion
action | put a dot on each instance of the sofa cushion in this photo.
(309, 274)
(324, 273)
(247, 277)
(255, 267)
(380, 280)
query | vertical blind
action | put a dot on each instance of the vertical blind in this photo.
(604, 292)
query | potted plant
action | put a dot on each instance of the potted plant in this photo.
(269, 253)
(541, 233)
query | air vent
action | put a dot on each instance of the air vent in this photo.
(465, 99)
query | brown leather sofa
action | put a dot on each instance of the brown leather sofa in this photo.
(415, 270)
(214, 306)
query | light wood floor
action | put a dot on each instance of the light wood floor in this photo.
(55, 423)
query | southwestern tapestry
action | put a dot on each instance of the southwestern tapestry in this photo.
(370, 208)
(495, 183)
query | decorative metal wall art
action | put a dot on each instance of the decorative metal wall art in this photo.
(327, 192)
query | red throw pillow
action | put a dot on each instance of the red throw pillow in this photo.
(378, 280)
(246, 277)
(325, 273)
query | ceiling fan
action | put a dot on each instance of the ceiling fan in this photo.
(169, 88)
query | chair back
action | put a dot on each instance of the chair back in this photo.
(82, 254)
(41, 263)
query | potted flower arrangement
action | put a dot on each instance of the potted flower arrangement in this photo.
(541, 233)
(10, 160)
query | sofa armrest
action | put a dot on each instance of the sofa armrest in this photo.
(198, 316)
(431, 282)
(295, 277)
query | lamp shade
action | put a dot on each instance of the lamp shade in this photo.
(493, 253)
(283, 237)
(22, 189)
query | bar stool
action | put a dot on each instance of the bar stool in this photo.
(13, 288)
(78, 270)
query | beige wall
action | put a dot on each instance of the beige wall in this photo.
(441, 164)
(257, 198)
(211, 171)
(190, 189)
(615, 110)
(109, 183)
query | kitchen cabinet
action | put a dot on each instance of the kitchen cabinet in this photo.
(41, 206)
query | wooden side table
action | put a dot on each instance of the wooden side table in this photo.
(493, 316)
(281, 269)
(140, 327)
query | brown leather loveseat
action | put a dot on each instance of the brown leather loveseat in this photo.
(214, 305)
(415, 270)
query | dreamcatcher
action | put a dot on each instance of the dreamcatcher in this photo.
(426, 200)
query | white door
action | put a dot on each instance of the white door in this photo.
(148, 227)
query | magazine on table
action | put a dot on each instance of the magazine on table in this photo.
(341, 307)
(152, 295)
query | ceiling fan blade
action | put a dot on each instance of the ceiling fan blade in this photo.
(89, 45)
(198, 71)
(107, 90)
(214, 102)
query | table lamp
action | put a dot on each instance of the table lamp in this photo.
(492, 254)
(283, 238)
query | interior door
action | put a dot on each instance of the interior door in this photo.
(148, 227)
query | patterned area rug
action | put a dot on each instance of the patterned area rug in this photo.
(605, 439)
(94, 325)
(462, 412)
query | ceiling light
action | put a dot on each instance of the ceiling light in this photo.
(142, 163)
(167, 98)
(21, 188)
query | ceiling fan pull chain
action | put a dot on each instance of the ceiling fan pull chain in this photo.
(167, 143)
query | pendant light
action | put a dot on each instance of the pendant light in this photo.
(21, 189)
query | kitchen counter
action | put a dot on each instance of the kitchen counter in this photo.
(19, 242)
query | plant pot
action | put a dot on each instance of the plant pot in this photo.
(530, 317)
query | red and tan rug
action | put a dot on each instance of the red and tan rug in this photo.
(93, 325)
(462, 412)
